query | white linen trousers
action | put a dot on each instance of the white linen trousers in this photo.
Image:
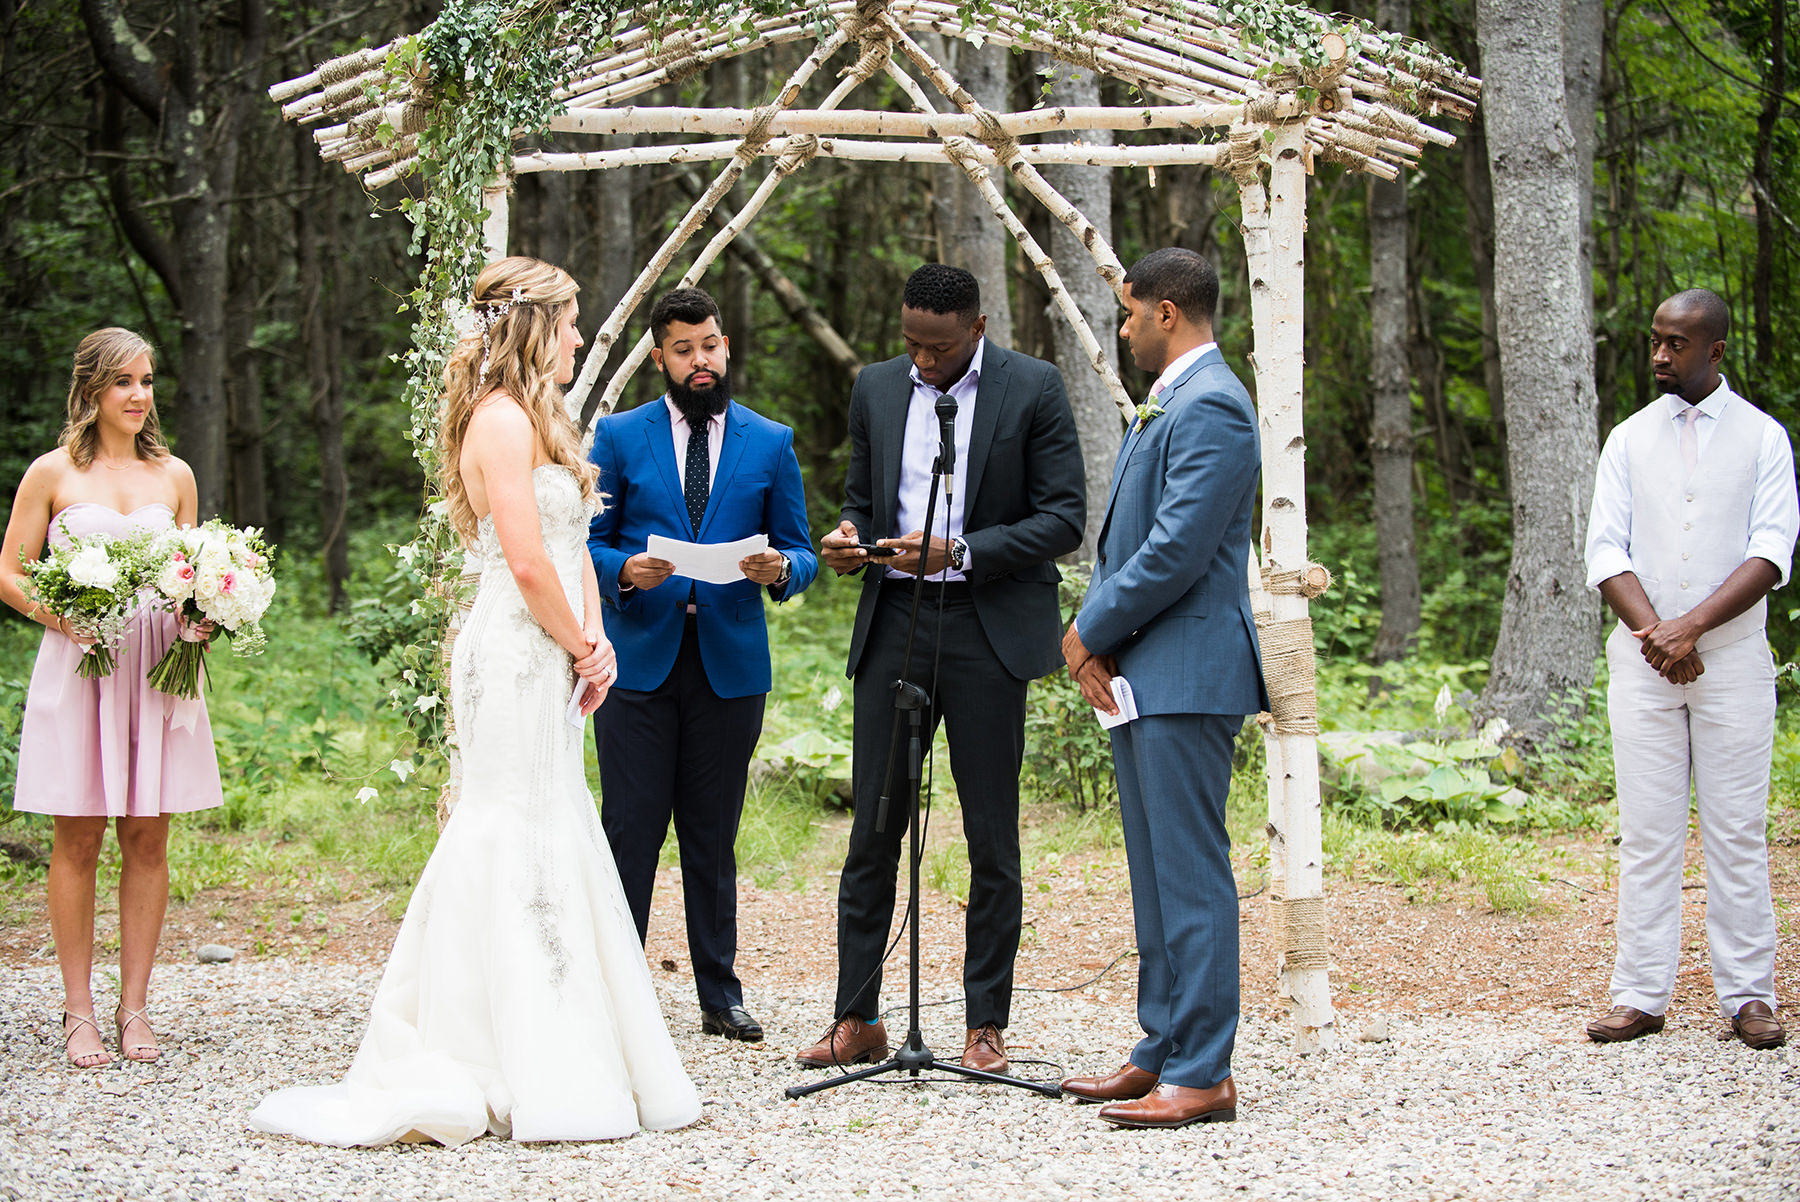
(1718, 734)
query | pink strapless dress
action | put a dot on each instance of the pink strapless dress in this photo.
(112, 747)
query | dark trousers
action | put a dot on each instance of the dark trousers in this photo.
(983, 708)
(681, 751)
(1174, 772)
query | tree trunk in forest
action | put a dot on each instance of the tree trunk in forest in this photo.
(198, 114)
(1089, 189)
(1762, 186)
(1584, 27)
(1478, 189)
(316, 246)
(244, 421)
(1549, 622)
(967, 231)
(617, 244)
(1390, 436)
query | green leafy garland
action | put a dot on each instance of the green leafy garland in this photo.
(492, 68)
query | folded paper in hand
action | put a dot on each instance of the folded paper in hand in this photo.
(573, 715)
(1121, 695)
(710, 563)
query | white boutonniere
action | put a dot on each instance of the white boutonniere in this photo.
(1146, 413)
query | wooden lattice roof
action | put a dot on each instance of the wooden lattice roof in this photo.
(1371, 109)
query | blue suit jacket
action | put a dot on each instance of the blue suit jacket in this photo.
(756, 489)
(1170, 597)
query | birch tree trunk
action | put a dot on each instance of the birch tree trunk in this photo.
(1089, 189)
(1549, 623)
(1274, 226)
(1390, 438)
(970, 236)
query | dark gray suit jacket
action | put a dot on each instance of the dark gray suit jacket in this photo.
(1027, 498)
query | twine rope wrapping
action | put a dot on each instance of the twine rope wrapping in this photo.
(1245, 159)
(1303, 944)
(1287, 656)
(1289, 667)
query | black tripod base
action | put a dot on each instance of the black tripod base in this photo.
(914, 1060)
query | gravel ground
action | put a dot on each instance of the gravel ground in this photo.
(1474, 1106)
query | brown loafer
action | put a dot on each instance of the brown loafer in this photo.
(1757, 1026)
(1127, 1083)
(1176, 1106)
(849, 1040)
(985, 1049)
(1622, 1023)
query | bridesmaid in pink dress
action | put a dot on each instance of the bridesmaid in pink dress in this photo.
(112, 748)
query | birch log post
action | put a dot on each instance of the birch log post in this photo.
(1275, 236)
(497, 198)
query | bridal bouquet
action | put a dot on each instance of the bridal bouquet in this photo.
(93, 581)
(211, 573)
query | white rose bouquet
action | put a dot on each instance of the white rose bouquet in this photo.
(93, 581)
(214, 578)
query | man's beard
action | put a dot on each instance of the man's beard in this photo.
(697, 405)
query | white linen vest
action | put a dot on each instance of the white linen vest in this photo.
(1688, 533)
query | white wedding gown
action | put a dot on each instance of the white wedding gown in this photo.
(517, 1000)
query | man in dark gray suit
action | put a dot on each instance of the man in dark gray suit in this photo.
(1169, 610)
(1018, 501)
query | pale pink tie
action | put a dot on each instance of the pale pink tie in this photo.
(1690, 441)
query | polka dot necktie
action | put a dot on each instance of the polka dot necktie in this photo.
(695, 486)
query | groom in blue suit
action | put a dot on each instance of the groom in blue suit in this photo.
(677, 731)
(1169, 610)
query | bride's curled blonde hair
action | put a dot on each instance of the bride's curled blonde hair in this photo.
(518, 302)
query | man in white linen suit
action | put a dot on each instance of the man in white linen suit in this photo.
(1693, 524)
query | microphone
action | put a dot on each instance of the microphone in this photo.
(946, 415)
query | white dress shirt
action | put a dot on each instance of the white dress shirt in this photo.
(715, 440)
(1173, 372)
(920, 453)
(1774, 511)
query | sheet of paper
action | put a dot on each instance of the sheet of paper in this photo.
(1121, 695)
(573, 715)
(713, 563)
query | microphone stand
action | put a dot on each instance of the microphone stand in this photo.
(910, 704)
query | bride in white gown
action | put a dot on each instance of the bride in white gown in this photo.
(517, 1000)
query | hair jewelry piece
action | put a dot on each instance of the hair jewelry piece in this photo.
(485, 317)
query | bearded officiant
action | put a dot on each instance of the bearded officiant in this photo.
(677, 732)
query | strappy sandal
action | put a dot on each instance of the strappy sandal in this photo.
(141, 1052)
(99, 1059)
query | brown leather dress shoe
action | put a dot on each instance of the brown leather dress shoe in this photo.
(1127, 1083)
(1176, 1106)
(849, 1040)
(1622, 1023)
(1757, 1026)
(984, 1048)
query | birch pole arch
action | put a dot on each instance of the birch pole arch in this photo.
(1261, 91)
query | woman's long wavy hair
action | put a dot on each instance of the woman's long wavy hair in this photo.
(518, 341)
(98, 359)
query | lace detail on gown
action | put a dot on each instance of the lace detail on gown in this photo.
(517, 999)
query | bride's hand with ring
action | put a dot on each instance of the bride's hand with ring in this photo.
(599, 667)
